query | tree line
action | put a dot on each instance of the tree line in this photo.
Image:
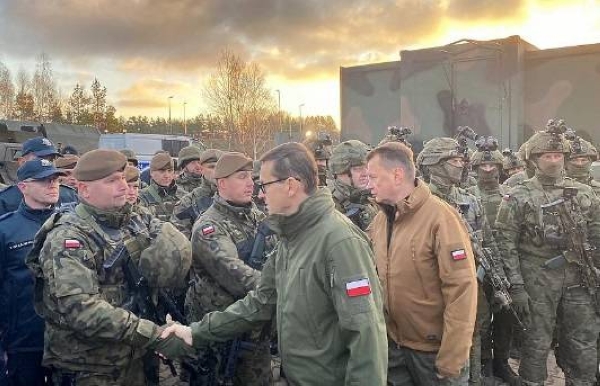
(242, 112)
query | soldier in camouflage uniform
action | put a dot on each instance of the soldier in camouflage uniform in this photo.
(92, 337)
(131, 157)
(520, 176)
(579, 162)
(222, 241)
(350, 193)
(511, 164)
(191, 167)
(548, 292)
(320, 147)
(487, 162)
(443, 161)
(67, 164)
(200, 199)
(162, 194)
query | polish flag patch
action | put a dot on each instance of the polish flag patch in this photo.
(207, 230)
(459, 254)
(506, 197)
(72, 244)
(360, 287)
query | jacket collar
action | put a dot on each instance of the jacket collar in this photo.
(310, 212)
(39, 215)
(413, 202)
(235, 211)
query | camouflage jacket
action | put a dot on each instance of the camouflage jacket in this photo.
(222, 241)
(473, 212)
(595, 185)
(187, 183)
(354, 204)
(81, 300)
(528, 231)
(192, 205)
(490, 197)
(159, 200)
(322, 289)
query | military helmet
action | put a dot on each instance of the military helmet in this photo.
(166, 262)
(438, 149)
(188, 154)
(130, 154)
(347, 155)
(511, 160)
(579, 147)
(319, 147)
(545, 142)
(487, 152)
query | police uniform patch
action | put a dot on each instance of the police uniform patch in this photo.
(458, 254)
(71, 244)
(207, 230)
(360, 287)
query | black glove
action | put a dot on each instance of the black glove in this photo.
(520, 300)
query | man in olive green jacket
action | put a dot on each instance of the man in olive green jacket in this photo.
(320, 285)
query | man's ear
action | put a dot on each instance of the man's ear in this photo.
(398, 175)
(293, 186)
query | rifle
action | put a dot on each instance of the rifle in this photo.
(257, 256)
(141, 303)
(489, 270)
(579, 250)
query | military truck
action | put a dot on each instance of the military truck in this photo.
(507, 88)
(14, 133)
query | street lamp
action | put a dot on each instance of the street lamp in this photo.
(170, 126)
(184, 122)
(300, 110)
(279, 111)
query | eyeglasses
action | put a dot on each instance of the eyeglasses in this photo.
(45, 181)
(261, 185)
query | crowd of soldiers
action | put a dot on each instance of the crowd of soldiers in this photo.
(115, 259)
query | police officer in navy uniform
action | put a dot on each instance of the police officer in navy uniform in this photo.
(21, 328)
(38, 147)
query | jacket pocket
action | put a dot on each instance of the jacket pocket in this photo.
(419, 271)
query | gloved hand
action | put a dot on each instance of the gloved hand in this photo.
(173, 347)
(520, 300)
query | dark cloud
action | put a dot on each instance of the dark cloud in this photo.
(290, 38)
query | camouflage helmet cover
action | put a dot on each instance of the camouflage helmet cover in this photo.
(188, 154)
(166, 262)
(438, 149)
(579, 147)
(487, 152)
(319, 148)
(511, 159)
(545, 142)
(347, 155)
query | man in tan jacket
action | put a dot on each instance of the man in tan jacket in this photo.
(427, 270)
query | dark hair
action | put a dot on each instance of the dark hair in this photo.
(393, 155)
(293, 159)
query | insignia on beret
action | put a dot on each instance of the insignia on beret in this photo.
(46, 142)
(72, 244)
(45, 162)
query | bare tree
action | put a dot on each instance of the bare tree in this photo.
(43, 88)
(79, 104)
(24, 102)
(236, 93)
(7, 92)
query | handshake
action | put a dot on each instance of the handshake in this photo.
(172, 342)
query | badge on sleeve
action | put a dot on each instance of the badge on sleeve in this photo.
(72, 244)
(207, 230)
(359, 287)
(459, 254)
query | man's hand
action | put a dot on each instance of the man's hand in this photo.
(173, 347)
(180, 331)
(520, 300)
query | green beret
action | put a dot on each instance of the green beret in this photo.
(161, 161)
(97, 164)
(230, 163)
(210, 155)
(132, 173)
(66, 162)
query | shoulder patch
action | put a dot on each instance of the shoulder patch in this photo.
(359, 287)
(458, 254)
(207, 230)
(72, 244)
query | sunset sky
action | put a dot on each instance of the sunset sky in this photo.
(147, 50)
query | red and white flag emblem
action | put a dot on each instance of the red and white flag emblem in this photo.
(72, 244)
(358, 287)
(459, 254)
(207, 230)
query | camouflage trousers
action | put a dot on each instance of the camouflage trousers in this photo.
(407, 367)
(482, 323)
(555, 298)
(132, 376)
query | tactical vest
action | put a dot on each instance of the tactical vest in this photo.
(359, 210)
(161, 207)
